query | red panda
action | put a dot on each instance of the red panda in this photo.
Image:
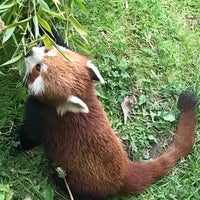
(76, 133)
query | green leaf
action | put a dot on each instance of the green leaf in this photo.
(4, 188)
(58, 48)
(35, 42)
(44, 24)
(2, 196)
(36, 26)
(8, 33)
(48, 193)
(2, 11)
(47, 42)
(18, 23)
(46, 8)
(44, 5)
(23, 43)
(78, 27)
(59, 16)
(20, 66)
(7, 193)
(170, 117)
(13, 60)
(82, 45)
(142, 99)
(7, 6)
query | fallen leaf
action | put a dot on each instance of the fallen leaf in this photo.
(126, 106)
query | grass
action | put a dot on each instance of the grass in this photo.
(149, 50)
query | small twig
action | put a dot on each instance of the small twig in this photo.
(62, 174)
(68, 188)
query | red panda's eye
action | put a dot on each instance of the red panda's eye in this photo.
(38, 67)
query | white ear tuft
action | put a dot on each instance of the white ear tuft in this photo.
(95, 72)
(73, 104)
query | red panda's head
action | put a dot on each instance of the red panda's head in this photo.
(58, 81)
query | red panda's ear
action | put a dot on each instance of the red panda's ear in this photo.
(73, 104)
(94, 72)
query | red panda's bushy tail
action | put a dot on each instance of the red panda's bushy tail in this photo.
(142, 174)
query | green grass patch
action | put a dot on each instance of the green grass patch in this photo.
(149, 49)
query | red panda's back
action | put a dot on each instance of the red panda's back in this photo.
(94, 160)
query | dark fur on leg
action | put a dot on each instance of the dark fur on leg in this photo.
(31, 131)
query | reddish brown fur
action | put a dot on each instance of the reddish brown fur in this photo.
(85, 145)
(67, 81)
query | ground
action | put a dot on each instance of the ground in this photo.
(145, 48)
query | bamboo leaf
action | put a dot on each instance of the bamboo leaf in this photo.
(36, 26)
(7, 6)
(8, 33)
(13, 60)
(35, 42)
(59, 16)
(23, 44)
(78, 27)
(44, 24)
(82, 45)
(46, 8)
(3, 11)
(57, 3)
(58, 48)
(47, 42)
(37, 14)
(18, 23)
(44, 5)
(20, 65)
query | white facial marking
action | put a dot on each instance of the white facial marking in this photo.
(35, 58)
(52, 52)
(30, 61)
(44, 68)
(37, 87)
(95, 70)
(73, 104)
